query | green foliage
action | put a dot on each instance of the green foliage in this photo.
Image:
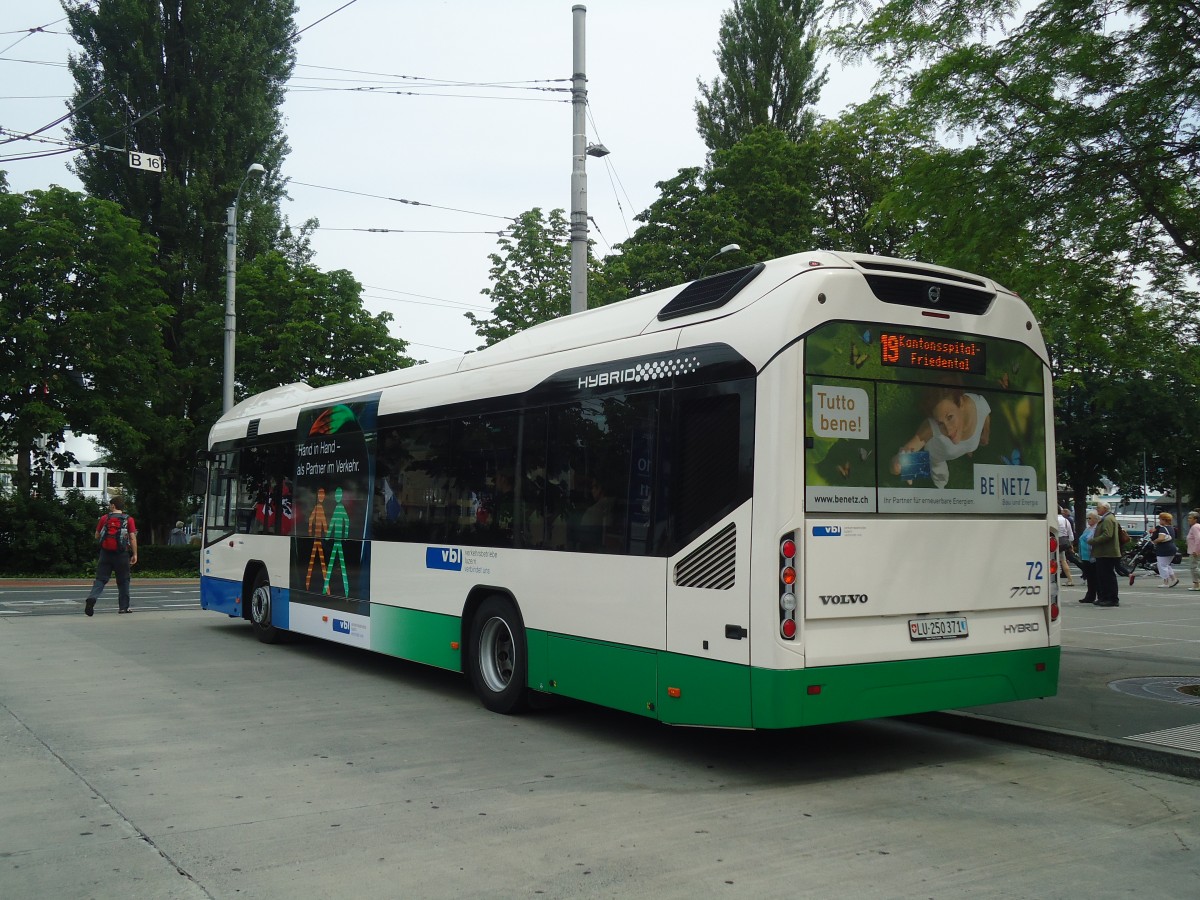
(531, 277)
(767, 55)
(200, 84)
(758, 194)
(48, 536)
(1094, 105)
(168, 560)
(83, 322)
(297, 323)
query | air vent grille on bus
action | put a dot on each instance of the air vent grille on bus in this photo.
(930, 294)
(712, 565)
(709, 293)
(252, 428)
(924, 273)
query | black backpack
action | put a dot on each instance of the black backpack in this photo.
(114, 532)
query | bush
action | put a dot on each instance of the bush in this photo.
(172, 559)
(48, 536)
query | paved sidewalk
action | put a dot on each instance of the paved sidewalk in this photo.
(1129, 686)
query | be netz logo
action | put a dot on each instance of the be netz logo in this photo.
(449, 558)
(827, 531)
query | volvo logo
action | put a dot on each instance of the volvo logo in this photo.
(838, 599)
(935, 293)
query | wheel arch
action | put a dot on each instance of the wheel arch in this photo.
(475, 598)
(253, 567)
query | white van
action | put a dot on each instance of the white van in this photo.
(1137, 515)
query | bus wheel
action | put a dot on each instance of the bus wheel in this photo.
(498, 663)
(260, 609)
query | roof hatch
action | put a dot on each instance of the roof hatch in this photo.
(709, 293)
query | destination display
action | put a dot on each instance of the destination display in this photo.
(917, 351)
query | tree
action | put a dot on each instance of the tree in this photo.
(767, 55)
(757, 194)
(297, 323)
(531, 277)
(201, 84)
(82, 342)
(1096, 103)
(862, 158)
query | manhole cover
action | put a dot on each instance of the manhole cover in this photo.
(1174, 689)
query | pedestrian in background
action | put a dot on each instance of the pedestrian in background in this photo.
(1105, 551)
(1066, 539)
(117, 534)
(1193, 548)
(1087, 566)
(1165, 549)
(177, 536)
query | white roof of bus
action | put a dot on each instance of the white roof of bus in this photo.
(278, 408)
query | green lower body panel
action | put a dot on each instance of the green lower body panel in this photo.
(817, 696)
(689, 690)
(423, 637)
(613, 675)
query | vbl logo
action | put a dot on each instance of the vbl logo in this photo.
(827, 531)
(444, 558)
(341, 626)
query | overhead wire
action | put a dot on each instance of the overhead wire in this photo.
(612, 174)
(469, 212)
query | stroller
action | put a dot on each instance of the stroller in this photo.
(1142, 556)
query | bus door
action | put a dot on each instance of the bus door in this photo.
(708, 628)
(708, 577)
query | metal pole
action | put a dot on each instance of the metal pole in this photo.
(579, 227)
(230, 308)
(231, 287)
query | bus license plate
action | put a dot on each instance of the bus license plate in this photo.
(937, 629)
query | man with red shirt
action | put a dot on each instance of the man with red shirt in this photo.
(113, 560)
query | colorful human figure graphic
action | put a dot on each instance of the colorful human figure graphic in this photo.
(317, 524)
(339, 530)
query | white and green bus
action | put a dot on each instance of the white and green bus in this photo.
(806, 491)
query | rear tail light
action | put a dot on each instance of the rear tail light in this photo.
(787, 591)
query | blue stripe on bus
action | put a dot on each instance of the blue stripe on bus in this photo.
(221, 595)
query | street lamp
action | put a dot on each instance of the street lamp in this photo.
(728, 248)
(231, 285)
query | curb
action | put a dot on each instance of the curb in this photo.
(1101, 749)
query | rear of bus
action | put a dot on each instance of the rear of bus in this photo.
(919, 573)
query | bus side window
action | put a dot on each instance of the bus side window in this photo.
(602, 457)
(712, 455)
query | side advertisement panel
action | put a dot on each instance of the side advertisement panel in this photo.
(331, 552)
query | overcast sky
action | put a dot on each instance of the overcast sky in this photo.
(496, 152)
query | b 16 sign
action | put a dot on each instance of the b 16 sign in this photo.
(147, 161)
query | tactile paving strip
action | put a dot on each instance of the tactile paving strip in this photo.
(1184, 738)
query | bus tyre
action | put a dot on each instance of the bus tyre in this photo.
(260, 610)
(498, 663)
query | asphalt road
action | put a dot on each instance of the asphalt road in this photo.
(168, 754)
(21, 598)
